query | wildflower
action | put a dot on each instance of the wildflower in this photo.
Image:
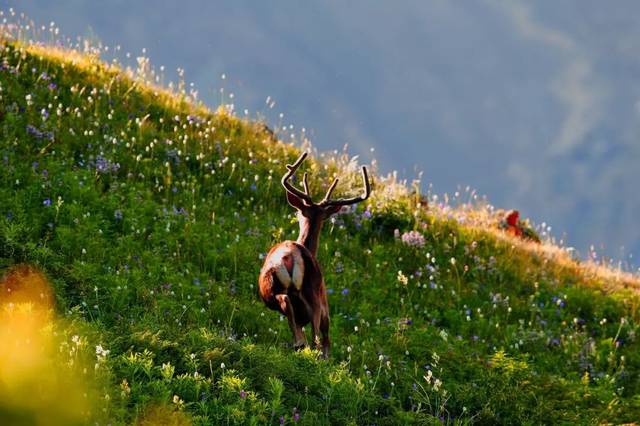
(46, 202)
(345, 291)
(413, 238)
(402, 278)
(105, 166)
(101, 353)
(243, 394)
(443, 335)
(179, 402)
(33, 131)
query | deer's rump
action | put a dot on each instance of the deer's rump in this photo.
(270, 284)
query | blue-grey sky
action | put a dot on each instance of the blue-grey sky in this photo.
(535, 104)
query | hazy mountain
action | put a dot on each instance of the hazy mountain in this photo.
(536, 105)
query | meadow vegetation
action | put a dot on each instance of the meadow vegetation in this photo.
(146, 216)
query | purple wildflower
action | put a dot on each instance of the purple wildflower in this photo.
(243, 394)
(102, 164)
(46, 202)
(105, 166)
(33, 131)
(345, 291)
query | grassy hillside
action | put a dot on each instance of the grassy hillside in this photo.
(132, 226)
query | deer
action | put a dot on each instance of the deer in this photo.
(291, 280)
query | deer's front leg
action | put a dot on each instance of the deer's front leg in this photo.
(287, 309)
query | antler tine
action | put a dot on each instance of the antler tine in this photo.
(289, 187)
(330, 191)
(346, 201)
(305, 184)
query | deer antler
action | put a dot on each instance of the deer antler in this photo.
(292, 189)
(326, 202)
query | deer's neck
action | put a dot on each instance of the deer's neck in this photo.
(309, 234)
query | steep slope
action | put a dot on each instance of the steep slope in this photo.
(149, 217)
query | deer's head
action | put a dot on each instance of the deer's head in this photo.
(310, 212)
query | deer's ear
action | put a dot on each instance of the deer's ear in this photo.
(294, 201)
(331, 210)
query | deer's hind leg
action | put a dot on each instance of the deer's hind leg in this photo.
(299, 340)
(304, 312)
(324, 328)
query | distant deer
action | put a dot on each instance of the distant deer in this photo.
(291, 279)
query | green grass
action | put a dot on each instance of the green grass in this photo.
(149, 215)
